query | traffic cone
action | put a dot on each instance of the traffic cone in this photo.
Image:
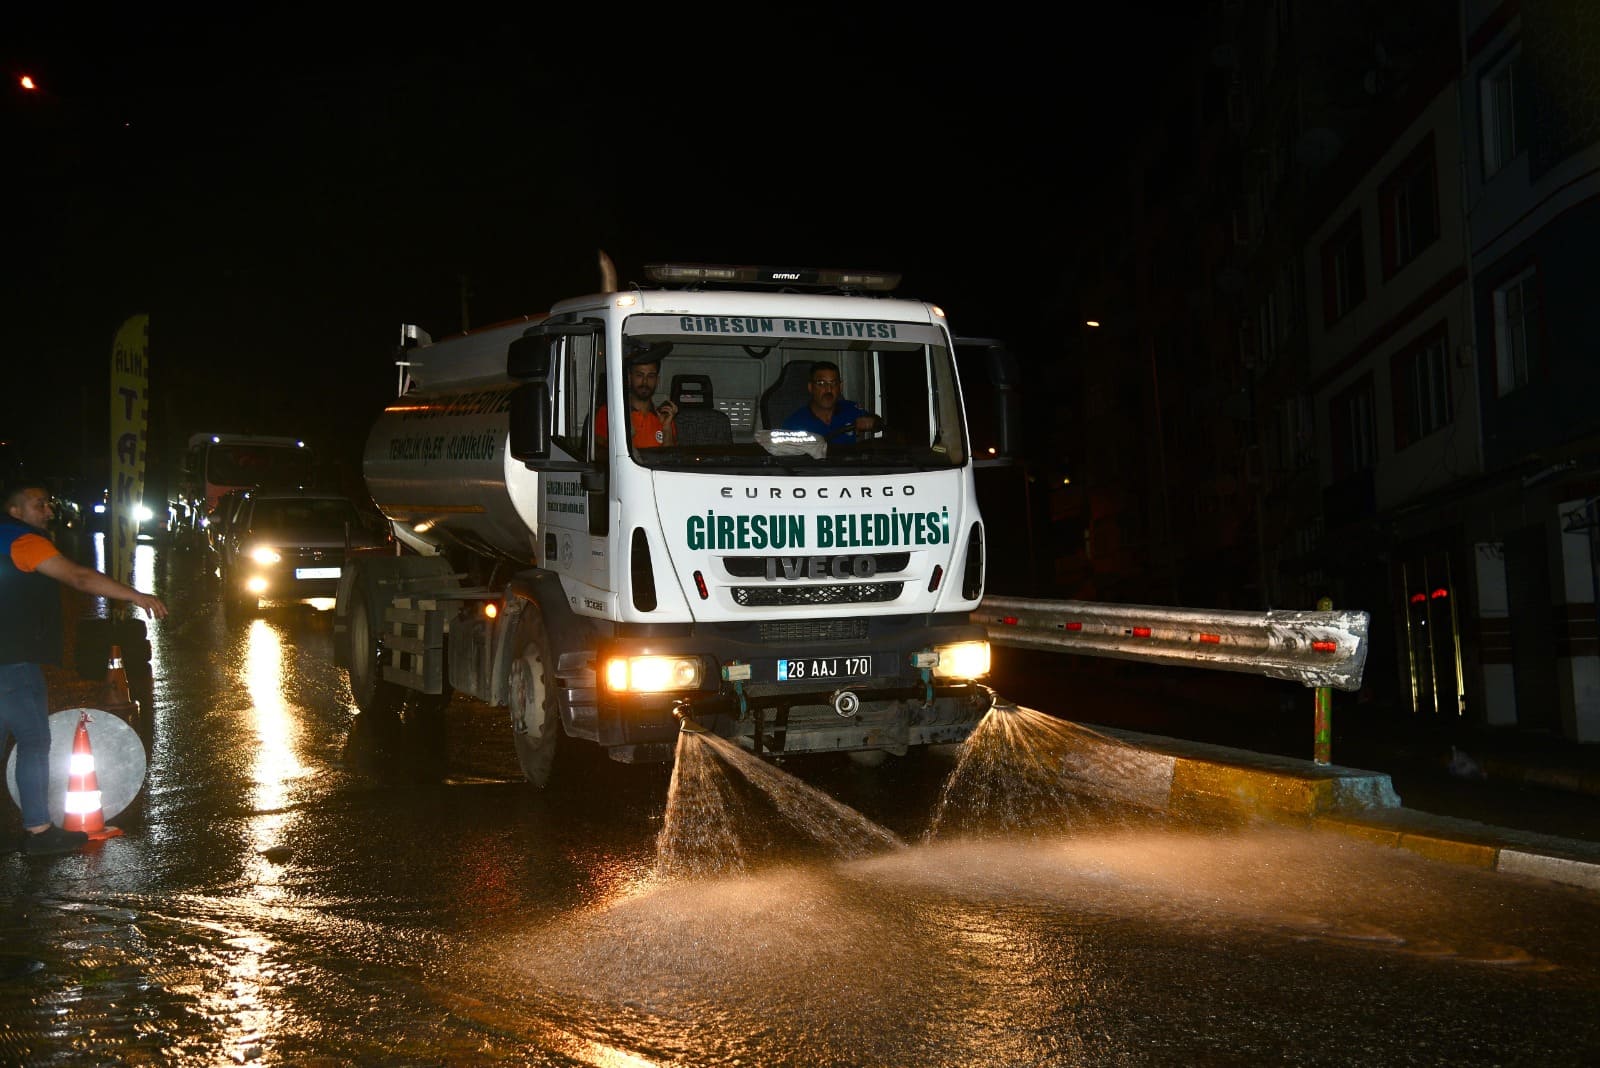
(116, 698)
(83, 811)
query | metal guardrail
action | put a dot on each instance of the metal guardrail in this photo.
(1316, 649)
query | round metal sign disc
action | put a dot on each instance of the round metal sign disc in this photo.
(119, 761)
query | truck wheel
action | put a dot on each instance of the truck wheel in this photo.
(535, 716)
(373, 694)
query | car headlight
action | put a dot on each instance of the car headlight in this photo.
(263, 555)
(652, 674)
(143, 513)
(959, 660)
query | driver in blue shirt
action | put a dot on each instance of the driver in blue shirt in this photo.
(828, 415)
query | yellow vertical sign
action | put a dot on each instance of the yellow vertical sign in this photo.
(130, 419)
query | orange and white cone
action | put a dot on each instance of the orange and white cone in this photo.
(116, 697)
(83, 811)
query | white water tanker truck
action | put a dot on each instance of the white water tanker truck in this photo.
(790, 591)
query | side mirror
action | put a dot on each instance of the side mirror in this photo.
(528, 357)
(529, 438)
(1003, 382)
(1007, 378)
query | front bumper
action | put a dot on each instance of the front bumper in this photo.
(278, 582)
(896, 707)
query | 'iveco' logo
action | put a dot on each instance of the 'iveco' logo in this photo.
(821, 567)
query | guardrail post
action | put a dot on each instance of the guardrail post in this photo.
(1323, 744)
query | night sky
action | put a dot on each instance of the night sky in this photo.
(279, 194)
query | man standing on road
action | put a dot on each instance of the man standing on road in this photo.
(30, 637)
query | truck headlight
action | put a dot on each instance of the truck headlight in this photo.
(962, 660)
(652, 674)
(263, 555)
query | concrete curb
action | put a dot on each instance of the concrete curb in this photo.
(1349, 801)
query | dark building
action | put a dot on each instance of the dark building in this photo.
(1347, 347)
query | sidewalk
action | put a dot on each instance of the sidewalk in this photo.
(1505, 754)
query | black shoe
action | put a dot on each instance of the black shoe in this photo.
(53, 840)
(12, 967)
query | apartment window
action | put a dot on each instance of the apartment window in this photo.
(1497, 91)
(1353, 429)
(1295, 439)
(1409, 202)
(1421, 380)
(1516, 331)
(1344, 277)
(1248, 352)
(1267, 321)
(1290, 291)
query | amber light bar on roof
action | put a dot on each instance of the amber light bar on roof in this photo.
(823, 278)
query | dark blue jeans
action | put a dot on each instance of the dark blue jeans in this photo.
(25, 716)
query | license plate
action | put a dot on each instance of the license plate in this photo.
(824, 667)
(316, 572)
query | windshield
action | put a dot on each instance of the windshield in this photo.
(827, 395)
(267, 466)
(304, 515)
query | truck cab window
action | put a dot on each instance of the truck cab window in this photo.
(577, 389)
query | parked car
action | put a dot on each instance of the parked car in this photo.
(290, 546)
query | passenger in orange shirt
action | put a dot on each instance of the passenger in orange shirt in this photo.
(649, 426)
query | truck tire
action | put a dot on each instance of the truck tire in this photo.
(535, 714)
(373, 694)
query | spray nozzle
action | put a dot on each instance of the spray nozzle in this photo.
(686, 721)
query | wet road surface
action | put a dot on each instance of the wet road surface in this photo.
(298, 886)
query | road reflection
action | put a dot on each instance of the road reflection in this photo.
(144, 578)
(275, 765)
(251, 1001)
